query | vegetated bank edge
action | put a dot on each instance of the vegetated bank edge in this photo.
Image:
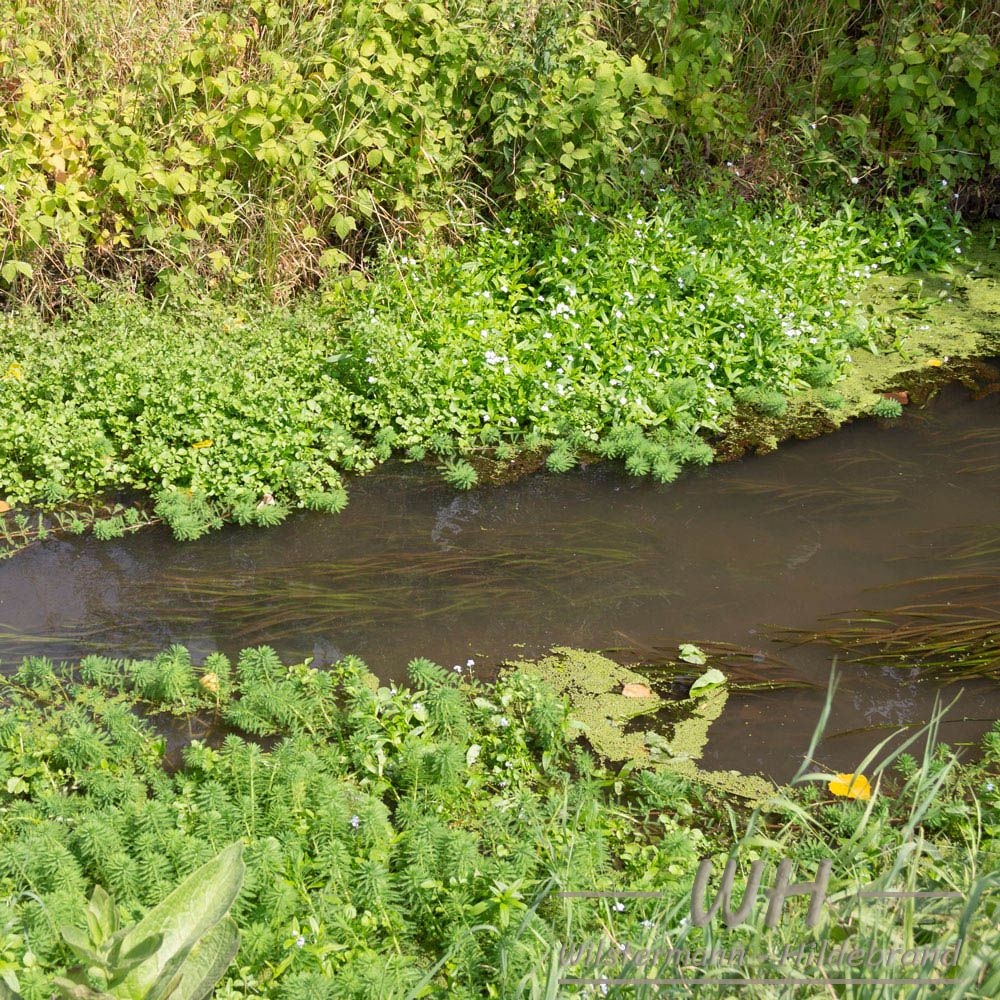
(420, 837)
(639, 339)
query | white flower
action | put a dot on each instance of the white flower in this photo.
(371, 378)
(470, 663)
(619, 907)
(300, 942)
(355, 821)
(854, 180)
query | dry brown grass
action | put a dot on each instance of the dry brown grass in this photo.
(117, 37)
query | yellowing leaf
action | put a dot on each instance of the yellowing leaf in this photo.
(851, 786)
(636, 691)
(4, 507)
(934, 363)
(14, 373)
(207, 443)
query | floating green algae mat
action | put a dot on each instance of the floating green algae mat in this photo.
(593, 685)
(929, 325)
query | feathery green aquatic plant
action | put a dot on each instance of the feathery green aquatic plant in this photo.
(401, 842)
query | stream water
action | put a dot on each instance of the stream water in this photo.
(592, 559)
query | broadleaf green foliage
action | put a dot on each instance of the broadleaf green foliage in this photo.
(624, 338)
(179, 949)
(258, 140)
(272, 141)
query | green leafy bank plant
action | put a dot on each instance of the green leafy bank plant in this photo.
(177, 951)
(628, 339)
(417, 841)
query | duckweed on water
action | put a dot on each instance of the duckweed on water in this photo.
(593, 686)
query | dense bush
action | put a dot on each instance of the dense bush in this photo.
(882, 93)
(269, 134)
(270, 140)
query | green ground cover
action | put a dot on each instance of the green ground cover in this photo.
(412, 841)
(629, 338)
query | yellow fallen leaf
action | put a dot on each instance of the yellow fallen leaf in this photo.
(934, 363)
(636, 691)
(14, 373)
(851, 786)
(207, 443)
(4, 507)
(210, 682)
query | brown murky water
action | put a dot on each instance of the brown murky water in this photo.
(592, 559)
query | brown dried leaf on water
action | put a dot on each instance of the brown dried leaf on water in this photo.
(636, 691)
(4, 507)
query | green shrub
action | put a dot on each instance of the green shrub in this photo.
(263, 139)
(271, 141)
